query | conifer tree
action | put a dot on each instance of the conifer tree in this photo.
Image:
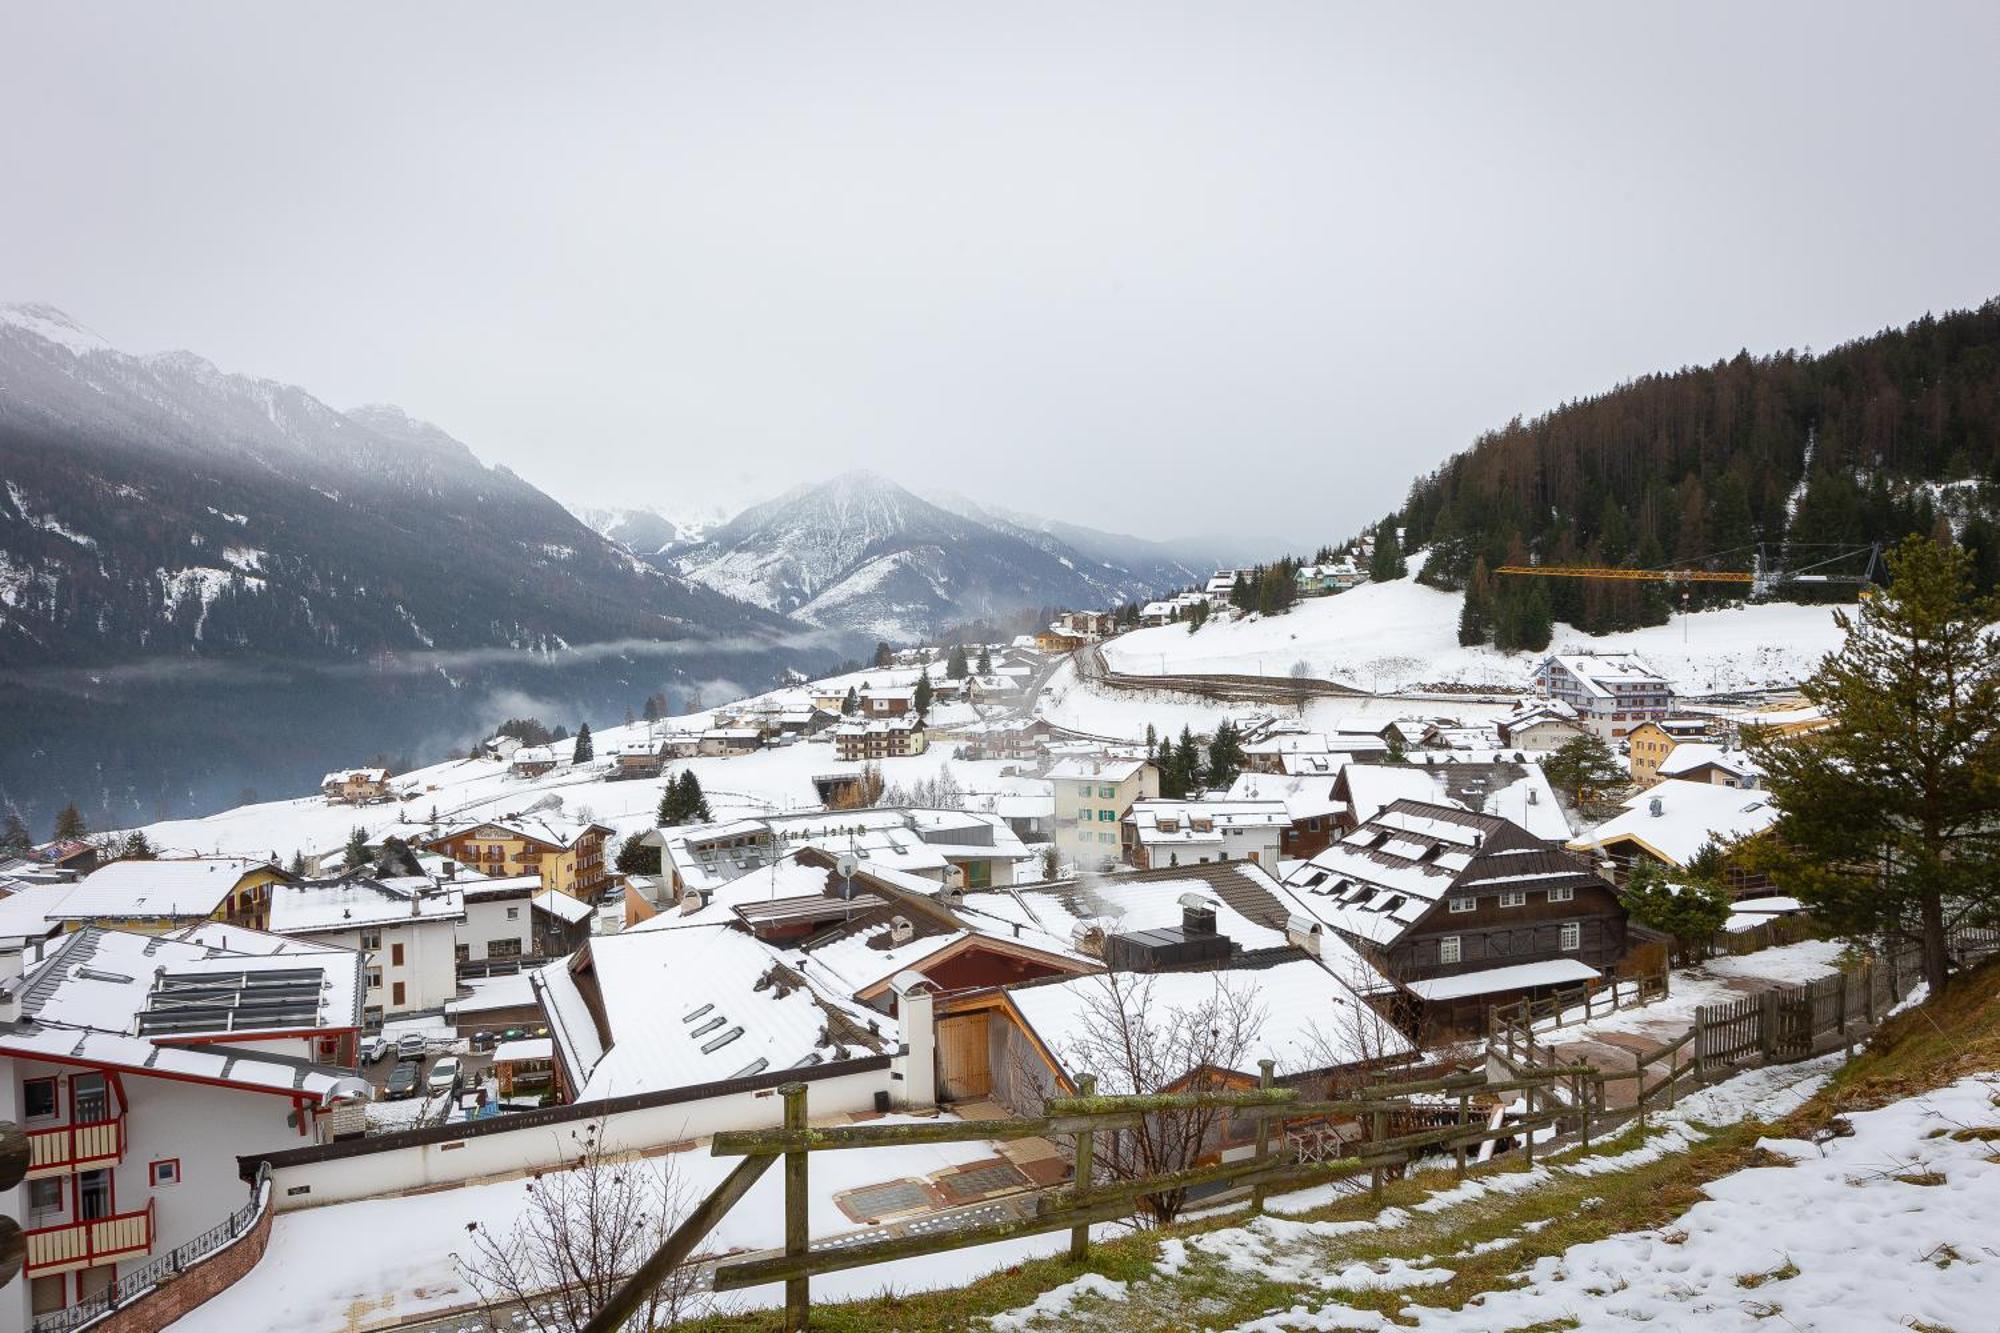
(586, 749)
(851, 704)
(357, 847)
(884, 654)
(985, 660)
(70, 823)
(956, 667)
(136, 848)
(14, 835)
(1386, 564)
(1225, 754)
(692, 799)
(1583, 765)
(924, 695)
(1475, 617)
(1887, 817)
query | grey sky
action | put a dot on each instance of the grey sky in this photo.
(1154, 267)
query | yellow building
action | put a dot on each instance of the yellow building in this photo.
(568, 855)
(1651, 742)
(153, 897)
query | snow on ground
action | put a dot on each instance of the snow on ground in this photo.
(1389, 636)
(380, 1261)
(762, 782)
(1890, 1228)
(1705, 983)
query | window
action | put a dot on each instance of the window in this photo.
(461, 953)
(1108, 793)
(396, 954)
(1464, 904)
(1513, 897)
(1572, 936)
(371, 939)
(164, 1172)
(1106, 816)
(396, 993)
(48, 1293)
(1312, 825)
(45, 1198)
(39, 1098)
(503, 948)
(1448, 949)
(513, 914)
(1562, 895)
(374, 978)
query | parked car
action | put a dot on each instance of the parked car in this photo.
(483, 1041)
(444, 1076)
(403, 1080)
(374, 1049)
(411, 1045)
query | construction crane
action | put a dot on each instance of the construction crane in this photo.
(1760, 577)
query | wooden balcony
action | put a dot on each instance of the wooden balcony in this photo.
(69, 1148)
(103, 1240)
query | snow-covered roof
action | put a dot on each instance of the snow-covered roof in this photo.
(1691, 755)
(1600, 673)
(244, 940)
(476, 886)
(1531, 802)
(548, 829)
(562, 906)
(1161, 822)
(1495, 980)
(340, 777)
(1096, 770)
(533, 754)
(693, 1005)
(1305, 796)
(880, 726)
(1674, 818)
(1374, 787)
(1309, 1019)
(524, 1048)
(707, 856)
(33, 910)
(351, 904)
(194, 887)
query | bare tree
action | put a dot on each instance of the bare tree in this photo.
(587, 1228)
(1135, 1041)
(1301, 684)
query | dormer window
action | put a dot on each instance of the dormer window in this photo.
(1464, 904)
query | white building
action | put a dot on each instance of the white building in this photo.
(405, 928)
(1164, 833)
(1611, 693)
(499, 923)
(1092, 796)
(140, 1067)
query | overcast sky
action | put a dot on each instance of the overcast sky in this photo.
(1168, 269)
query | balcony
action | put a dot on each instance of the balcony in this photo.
(102, 1240)
(81, 1147)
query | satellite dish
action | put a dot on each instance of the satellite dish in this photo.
(847, 865)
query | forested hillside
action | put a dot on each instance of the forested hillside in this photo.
(1805, 454)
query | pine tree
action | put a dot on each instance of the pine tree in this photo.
(985, 660)
(136, 848)
(357, 848)
(1386, 564)
(924, 695)
(637, 858)
(1688, 908)
(1225, 754)
(884, 654)
(1585, 765)
(956, 667)
(851, 704)
(586, 749)
(70, 824)
(1475, 617)
(1152, 740)
(1886, 817)
(670, 812)
(692, 799)
(14, 836)
(297, 866)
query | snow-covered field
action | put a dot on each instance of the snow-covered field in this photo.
(396, 1255)
(1391, 636)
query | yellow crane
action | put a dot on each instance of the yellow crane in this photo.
(1761, 577)
(1628, 575)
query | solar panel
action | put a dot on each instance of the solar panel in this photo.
(233, 1001)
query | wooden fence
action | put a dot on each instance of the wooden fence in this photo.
(1563, 1099)
(1578, 1004)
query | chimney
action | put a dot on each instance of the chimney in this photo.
(1303, 932)
(12, 983)
(1197, 914)
(918, 1057)
(900, 930)
(1534, 797)
(1655, 806)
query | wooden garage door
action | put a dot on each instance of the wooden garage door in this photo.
(963, 1073)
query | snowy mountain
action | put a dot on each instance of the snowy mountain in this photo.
(653, 531)
(172, 531)
(861, 552)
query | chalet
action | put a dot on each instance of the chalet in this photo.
(1540, 727)
(1162, 833)
(78, 856)
(722, 741)
(500, 919)
(1058, 639)
(1090, 625)
(880, 738)
(1610, 692)
(532, 761)
(888, 701)
(139, 1067)
(1363, 790)
(1313, 813)
(154, 897)
(1717, 765)
(404, 929)
(1222, 584)
(1322, 580)
(997, 688)
(1092, 796)
(1021, 738)
(1032, 818)
(642, 758)
(1792, 721)
(1650, 743)
(1671, 821)
(356, 786)
(567, 854)
(525, 1066)
(1463, 909)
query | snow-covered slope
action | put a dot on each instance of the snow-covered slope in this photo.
(1400, 635)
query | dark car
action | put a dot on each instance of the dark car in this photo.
(403, 1079)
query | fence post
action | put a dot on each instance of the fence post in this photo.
(1868, 990)
(798, 1290)
(1086, 1151)
(1639, 1087)
(1266, 1069)
(1840, 1007)
(1377, 1124)
(1581, 1093)
(1458, 1149)
(1767, 1026)
(1528, 1136)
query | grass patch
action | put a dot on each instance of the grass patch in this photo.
(1922, 1177)
(1752, 1281)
